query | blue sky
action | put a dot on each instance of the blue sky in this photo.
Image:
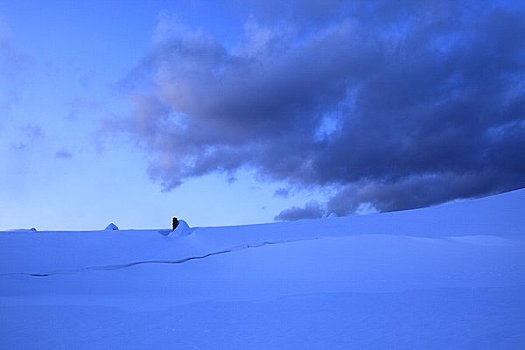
(230, 112)
(59, 170)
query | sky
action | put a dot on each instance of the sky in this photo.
(235, 112)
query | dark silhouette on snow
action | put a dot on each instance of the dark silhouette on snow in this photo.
(175, 223)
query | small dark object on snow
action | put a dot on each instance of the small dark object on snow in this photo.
(175, 223)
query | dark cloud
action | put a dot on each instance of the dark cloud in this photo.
(310, 211)
(396, 106)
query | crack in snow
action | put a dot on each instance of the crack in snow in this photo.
(144, 262)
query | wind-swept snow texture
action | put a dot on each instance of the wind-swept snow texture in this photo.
(447, 277)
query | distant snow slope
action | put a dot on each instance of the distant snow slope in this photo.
(447, 277)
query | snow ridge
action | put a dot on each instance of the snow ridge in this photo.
(144, 262)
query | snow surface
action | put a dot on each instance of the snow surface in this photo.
(447, 277)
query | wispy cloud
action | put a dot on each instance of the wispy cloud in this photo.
(28, 134)
(63, 153)
(282, 192)
(12, 60)
(396, 106)
(13, 65)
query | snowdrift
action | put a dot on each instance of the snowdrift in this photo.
(451, 276)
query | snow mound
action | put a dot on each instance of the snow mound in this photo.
(111, 227)
(182, 229)
(32, 229)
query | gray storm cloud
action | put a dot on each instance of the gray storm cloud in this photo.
(395, 107)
